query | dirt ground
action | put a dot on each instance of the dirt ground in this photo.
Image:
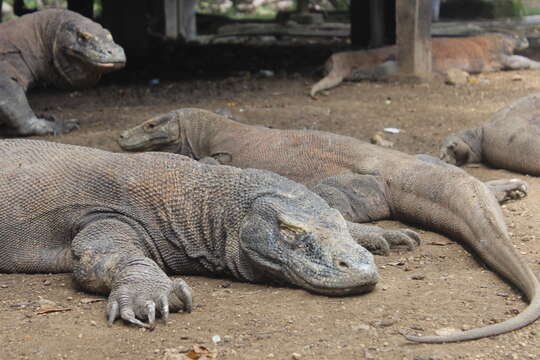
(440, 285)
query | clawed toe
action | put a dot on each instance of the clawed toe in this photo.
(133, 307)
(403, 237)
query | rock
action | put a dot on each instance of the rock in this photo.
(446, 331)
(377, 139)
(456, 77)
(361, 327)
(296, 356)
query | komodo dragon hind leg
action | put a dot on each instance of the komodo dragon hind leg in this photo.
(17, 118)
(502, 189)
(361, 198)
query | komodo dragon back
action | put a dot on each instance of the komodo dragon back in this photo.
(509, 140)
(363, 181)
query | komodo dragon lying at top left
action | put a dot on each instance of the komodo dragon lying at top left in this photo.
(474, 54)
(56, 47)
(122, 222)
(363, 181)
(509, 140)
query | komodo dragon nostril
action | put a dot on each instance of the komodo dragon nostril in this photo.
(343, 265)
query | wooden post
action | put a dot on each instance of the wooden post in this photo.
(171, 18)
(413, 20)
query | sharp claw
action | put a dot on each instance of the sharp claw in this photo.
(183, 292)
(128, 315)
(164, 308)
(151, 310)
(113, 312)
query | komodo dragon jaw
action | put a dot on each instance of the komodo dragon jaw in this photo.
(282, 238)
(160, 132)
(83, 47)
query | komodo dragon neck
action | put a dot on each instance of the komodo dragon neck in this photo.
(199, 139)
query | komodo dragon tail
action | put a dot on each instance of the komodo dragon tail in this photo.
(336, 72)
(468, 210)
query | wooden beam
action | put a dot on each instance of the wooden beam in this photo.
(171, 18)
(413, 20)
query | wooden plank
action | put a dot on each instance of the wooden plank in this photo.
(170, 8)
(413, 20)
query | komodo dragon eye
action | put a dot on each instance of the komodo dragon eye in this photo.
(291, 232)
(150, 125)
(83, 35)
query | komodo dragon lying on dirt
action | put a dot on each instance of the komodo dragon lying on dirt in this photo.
(121, 222)
(475, 54)
(365, 182)
(509, 140)
(56, 47)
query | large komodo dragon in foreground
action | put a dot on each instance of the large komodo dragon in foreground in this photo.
(121, 222)
(363, 181)
(475, 54)
(56, 47)
(509, 140)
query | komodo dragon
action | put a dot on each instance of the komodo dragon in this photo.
(121, 222)
(509, 140)
(56, 47)
(475, 54)
(365, 182)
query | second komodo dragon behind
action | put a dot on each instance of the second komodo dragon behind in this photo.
(365, 182)
(475, 54)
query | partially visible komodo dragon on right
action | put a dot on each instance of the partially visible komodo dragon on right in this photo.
(364, 182)
(51, 47)
(509, 140)
(474, 54)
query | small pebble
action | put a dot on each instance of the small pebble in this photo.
(296, 356)
(216, 339)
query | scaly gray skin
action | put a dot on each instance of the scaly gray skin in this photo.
(363, 181)
(123, 222)
(50, 47)
(509, 140)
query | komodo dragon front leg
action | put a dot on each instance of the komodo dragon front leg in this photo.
(503, 189)
(360, 199)
(18, 118)
(109, 256)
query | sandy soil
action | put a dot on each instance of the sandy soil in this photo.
(440, 285)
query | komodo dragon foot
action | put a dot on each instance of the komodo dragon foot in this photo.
(379, 241)
(507, 189)
(140, 292)
(57, 126)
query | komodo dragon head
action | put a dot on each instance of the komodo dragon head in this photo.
(184, 131)
(292, 236)
(83, 50)
(159, 133)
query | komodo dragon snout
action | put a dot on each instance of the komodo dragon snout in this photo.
(283, 237)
